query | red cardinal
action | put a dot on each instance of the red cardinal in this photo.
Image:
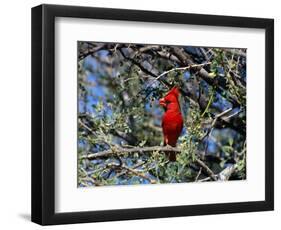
(172, 122)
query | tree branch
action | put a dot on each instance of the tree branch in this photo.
(206, 168)
(187, 60)
(181, 69)
(225, 174)
(122, 151)
(218, 116)
(90, 51)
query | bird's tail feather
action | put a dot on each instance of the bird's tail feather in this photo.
(171, 155)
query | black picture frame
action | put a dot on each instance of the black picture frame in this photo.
(43, 114)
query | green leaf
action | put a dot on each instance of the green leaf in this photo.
(212, 75)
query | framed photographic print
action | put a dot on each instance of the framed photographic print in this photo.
(142, 114)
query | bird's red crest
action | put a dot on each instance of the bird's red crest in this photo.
(174, 91)
(172, 95)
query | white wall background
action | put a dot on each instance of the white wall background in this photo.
(15, 114)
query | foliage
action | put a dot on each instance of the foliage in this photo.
(119, 86)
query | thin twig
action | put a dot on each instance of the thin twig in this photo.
(134, 167)
(90, 51)
(224, 175)
(139, 174)
(86, 127)
(208, 105)
(204, 179)
(207, 169)
(199, 173)
(215, 121)
(181, 69)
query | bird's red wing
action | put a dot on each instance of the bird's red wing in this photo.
(172, 127)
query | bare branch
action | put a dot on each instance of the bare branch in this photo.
(133, 167)
(121, 151)
(207, 169)
(237, 52)
(199, 173)
(86, 126)
(90, 51)
(218, 116)
(226, 173)
(187, 60)
(139, 174)
(181, 69)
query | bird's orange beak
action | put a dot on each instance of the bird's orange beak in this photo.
(162, 102)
